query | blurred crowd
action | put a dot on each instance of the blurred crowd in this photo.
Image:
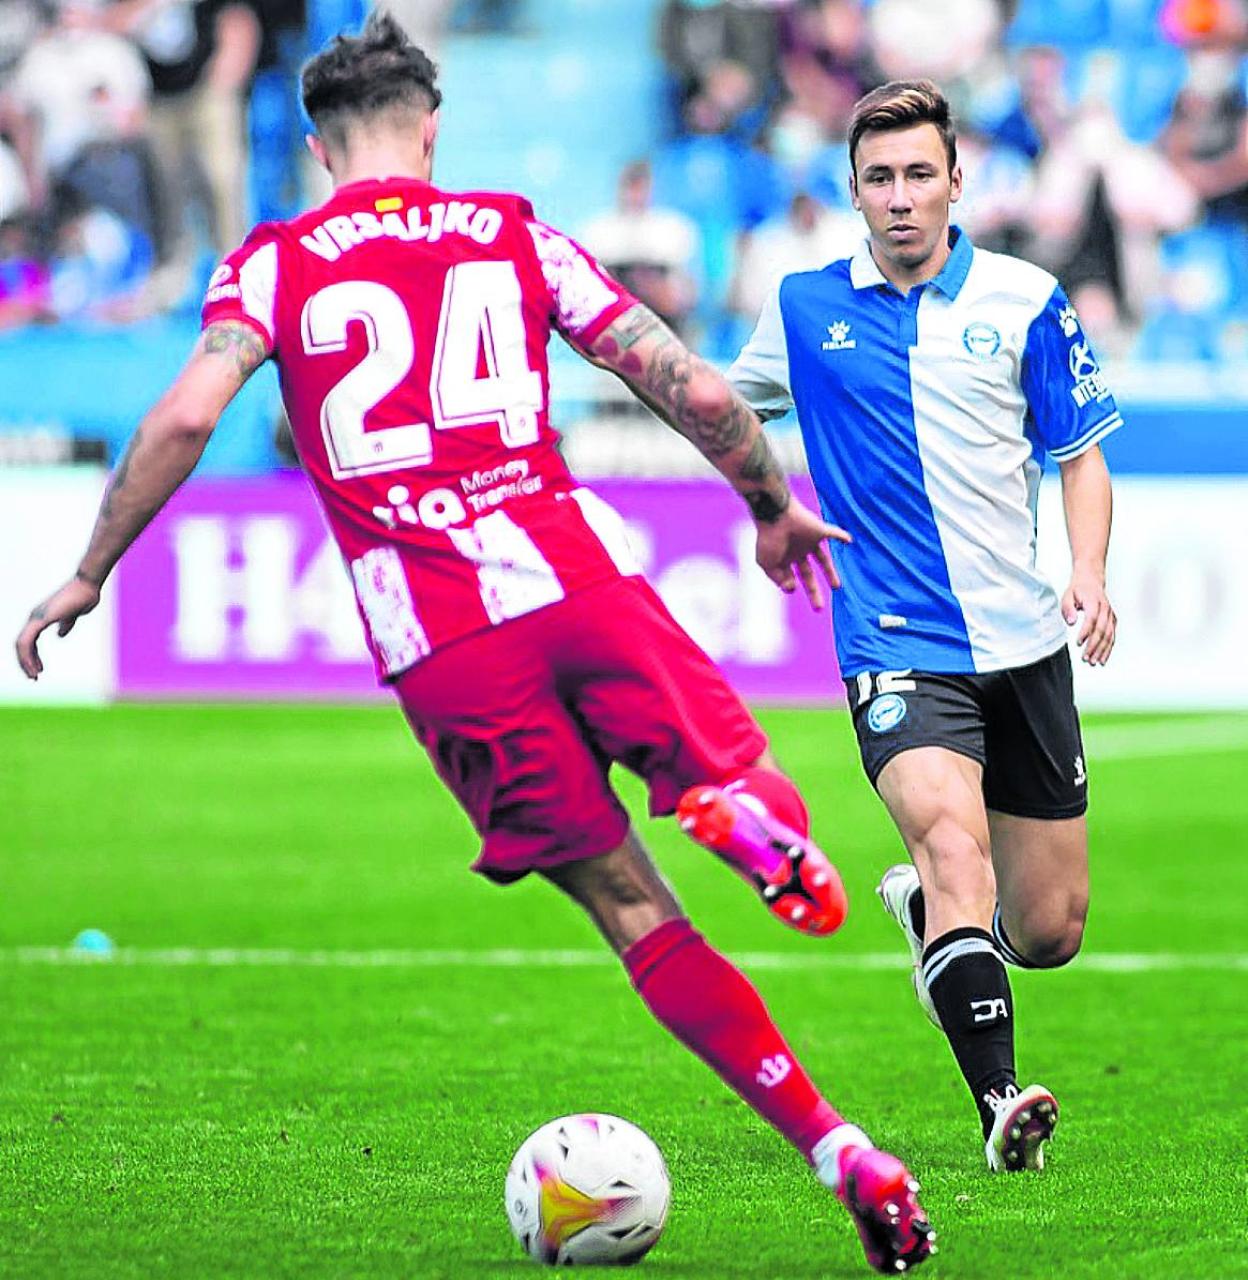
(1106, 140)
(127, 141)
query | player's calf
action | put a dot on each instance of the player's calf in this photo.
(970, 992)
(708, 1004)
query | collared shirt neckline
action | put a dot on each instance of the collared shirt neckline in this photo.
(864, 273)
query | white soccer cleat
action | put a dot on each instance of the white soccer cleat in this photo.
(897, 886)
(1024, 1123)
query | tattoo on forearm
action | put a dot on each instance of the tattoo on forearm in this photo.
(664, 374)
(238, 341)
(761, 466)
(760, 463)
(120, 474)
(765, 506)
(667, 376)
(633, 325)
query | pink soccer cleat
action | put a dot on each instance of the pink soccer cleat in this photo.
(793, 875)
(881, 1195)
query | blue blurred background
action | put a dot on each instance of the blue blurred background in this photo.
(697, 146)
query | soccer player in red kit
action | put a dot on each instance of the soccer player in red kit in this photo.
(500, 598)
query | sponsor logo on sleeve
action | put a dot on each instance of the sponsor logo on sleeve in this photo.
(1089, 382)
(219, 285)
(981, 339)
(887, 712)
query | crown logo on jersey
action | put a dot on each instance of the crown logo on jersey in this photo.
(838, 337)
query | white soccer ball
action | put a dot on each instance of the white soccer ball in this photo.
(587, 1188)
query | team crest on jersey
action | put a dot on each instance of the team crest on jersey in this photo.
(887, 712)
(982, 340)
(838, 337)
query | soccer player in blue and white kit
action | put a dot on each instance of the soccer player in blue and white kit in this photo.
(930, 380)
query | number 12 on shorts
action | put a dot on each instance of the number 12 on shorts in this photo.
(884, 682)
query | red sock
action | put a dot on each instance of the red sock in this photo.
(710, 1006)
(775, 792)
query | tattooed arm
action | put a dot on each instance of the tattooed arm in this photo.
(696, 400)
(160, 455)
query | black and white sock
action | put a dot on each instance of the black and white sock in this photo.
(969, 987)
(1009, 953)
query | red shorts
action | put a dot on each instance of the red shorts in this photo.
(524, 721)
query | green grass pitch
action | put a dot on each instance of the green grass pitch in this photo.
(303, 1120)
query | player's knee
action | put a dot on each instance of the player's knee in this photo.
(1051, 951)
(1055, 940)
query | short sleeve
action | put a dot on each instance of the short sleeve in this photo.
(1070, 406)
(761, 372)
(584, 298)
(244, 287)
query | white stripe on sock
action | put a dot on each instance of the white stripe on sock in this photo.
(938, 963)
(1003, 944)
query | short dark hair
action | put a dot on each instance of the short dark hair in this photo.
(899, 105)
(356, 76)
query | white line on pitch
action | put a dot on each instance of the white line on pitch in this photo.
(251, 957)
(1166, 738)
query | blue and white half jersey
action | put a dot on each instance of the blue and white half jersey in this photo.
(926, 419)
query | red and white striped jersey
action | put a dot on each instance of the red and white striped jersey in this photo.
(409, 326)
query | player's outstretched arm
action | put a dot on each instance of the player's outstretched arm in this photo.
(1088, 499)
(160, 455)
(696, 400)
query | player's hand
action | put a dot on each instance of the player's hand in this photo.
(60, 610)
(1086, 596)
(791, 547)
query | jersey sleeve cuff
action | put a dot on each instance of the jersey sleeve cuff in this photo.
(1093, 435)
(604, 320)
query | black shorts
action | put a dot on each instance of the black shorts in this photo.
(1021, 725)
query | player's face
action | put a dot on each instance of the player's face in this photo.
(902, 185)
